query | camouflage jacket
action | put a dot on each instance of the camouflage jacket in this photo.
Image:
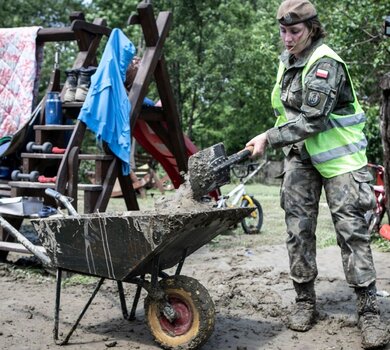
(305, 120)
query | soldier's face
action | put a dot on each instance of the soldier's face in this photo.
(295, 37)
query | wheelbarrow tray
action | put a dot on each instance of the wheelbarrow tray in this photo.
(122, 246)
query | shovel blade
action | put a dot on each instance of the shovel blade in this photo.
(201, 169)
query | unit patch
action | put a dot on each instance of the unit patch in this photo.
(322, 73)
(313, 99)
(287, 17)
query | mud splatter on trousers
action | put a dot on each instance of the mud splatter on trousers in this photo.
(349, 196)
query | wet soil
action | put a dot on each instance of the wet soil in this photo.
(249, 285)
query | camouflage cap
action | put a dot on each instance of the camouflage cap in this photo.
(295, 11)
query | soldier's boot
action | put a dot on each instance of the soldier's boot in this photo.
(303, 313)
(70, 85)
(84, 82)
(374, 333)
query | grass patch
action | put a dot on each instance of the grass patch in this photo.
(76, 279)
(379, 243)
(274, 227)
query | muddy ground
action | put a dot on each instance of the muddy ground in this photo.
(249, 285)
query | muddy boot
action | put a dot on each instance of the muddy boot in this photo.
(374, 333)
(70, 85)
(303, 313)
(84, 82)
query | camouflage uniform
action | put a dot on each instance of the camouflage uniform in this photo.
(326, 93)
(348, 195)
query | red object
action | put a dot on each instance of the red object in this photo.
(147, 138)
(385, 231)
(44, 179)
(184, 319)
(57, 150)
(322, 73)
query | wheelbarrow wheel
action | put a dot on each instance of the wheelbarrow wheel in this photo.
(194, 307)
(252, 223)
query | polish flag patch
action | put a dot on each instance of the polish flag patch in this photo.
(322, 73)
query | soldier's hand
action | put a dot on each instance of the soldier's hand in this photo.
(259, 144)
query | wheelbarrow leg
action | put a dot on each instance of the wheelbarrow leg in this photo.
(181, 262)
(57, 309)
(57, 304)
(126, 316)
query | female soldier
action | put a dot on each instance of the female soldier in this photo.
(319, 126)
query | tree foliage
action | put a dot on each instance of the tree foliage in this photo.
(48, 13)
(222, 56)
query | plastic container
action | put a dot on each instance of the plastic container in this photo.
(53, 109)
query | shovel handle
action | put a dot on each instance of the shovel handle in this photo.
(246, 152)
(235, 158)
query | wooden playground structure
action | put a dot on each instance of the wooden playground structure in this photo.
(156, 128)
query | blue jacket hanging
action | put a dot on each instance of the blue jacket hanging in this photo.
(106, 110)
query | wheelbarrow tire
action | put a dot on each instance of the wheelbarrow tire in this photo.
(252, 224)
(192, 301)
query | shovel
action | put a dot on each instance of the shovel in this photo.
(209, 169)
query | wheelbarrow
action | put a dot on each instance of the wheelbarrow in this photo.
(136, 247)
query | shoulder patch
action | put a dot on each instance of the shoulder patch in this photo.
(322, 73)
(313, 99)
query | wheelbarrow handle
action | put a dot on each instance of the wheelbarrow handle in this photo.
(23, 240)
(63, 199)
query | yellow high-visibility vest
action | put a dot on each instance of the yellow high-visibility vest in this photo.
(340, 148)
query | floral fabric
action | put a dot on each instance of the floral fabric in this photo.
(20, 62)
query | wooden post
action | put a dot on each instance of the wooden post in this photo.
(385, 130)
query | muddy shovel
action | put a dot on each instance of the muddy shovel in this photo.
(209, 169)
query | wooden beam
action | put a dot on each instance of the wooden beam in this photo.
(171, 115)
(128, 192)
(152, 114)
(148, 63)
(73, 166)
(155, 33)
(75, 140)
(108, 185)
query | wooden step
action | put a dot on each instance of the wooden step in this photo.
(5, 190)
(42, 186)
(100, 157)
(54, 127)
(56, 134)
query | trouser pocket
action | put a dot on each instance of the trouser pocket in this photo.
(366, 196)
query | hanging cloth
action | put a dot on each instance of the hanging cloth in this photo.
(106, 110)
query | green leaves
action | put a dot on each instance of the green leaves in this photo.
(222, 56)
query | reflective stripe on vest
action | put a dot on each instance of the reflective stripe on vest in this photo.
(341, 147)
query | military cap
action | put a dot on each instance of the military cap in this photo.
(295, 11)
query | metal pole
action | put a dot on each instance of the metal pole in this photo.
(31, 247)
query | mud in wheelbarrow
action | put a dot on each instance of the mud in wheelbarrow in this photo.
(130, 246)
(124, 246)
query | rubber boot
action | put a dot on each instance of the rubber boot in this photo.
(84, 82)
(374, 333)
(70, 85)
(303, 313)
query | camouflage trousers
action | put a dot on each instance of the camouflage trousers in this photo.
(349, 196)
